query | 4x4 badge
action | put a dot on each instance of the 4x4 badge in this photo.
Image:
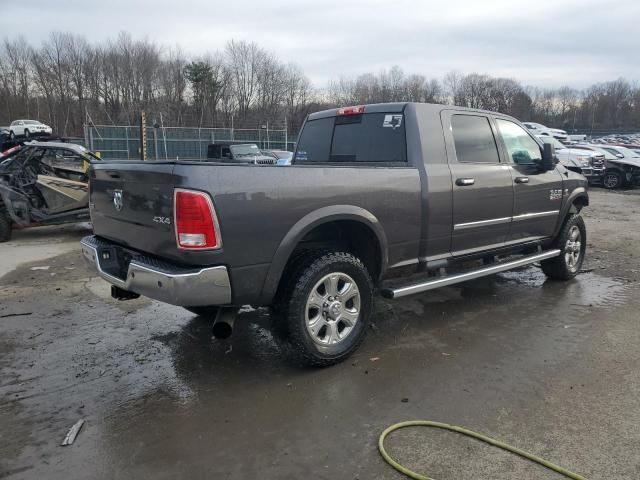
(117, 199)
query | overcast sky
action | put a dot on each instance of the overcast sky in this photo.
(539, 42)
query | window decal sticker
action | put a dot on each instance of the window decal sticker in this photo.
(392, 121)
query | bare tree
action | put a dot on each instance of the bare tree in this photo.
(66, 80)
(244, 60)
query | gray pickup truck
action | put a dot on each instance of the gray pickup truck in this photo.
(395, 198)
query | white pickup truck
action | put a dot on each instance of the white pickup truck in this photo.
(589, 163)
(541, 130)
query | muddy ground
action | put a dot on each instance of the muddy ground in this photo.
(553, 368)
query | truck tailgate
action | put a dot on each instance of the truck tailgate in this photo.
(132, 204)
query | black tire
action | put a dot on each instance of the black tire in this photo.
(5, 227)
(612, 179)
(27, 134)
(205, 312)
(324, 347)
(567, 265)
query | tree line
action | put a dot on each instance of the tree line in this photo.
(67, 81)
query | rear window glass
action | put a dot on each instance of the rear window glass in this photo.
(369, 137)
(473, 139)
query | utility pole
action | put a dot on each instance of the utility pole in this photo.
(143, 136)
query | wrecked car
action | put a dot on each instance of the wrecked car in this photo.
(43, 183)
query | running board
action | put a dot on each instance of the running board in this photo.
(463, 277)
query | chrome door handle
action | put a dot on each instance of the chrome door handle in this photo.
(522, 180)
(465, 182)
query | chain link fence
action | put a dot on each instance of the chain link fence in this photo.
(171, 143)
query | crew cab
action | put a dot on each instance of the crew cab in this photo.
(396, 198)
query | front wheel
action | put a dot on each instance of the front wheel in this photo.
(612, 179)
(572, 241)
(325, 307)
(27, 134)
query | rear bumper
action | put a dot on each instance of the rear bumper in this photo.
(153, 278)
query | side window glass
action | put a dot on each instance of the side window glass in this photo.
(522, 149)
(226, 152)
(473, 139)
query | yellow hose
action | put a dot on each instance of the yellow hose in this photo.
(469, 433)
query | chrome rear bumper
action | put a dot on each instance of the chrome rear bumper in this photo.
(188, 287)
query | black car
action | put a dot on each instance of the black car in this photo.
(43, 183)
(238, 152)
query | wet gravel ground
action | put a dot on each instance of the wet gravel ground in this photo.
(553, 368)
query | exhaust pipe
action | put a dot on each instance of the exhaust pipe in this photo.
(121, 294)
(223, 324)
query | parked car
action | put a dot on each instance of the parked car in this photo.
(283, 157)
(28, 128)
(43, 183)
(577, 138)
(539, 129)
(238, 152)
(620, 170)
(384, 196)
(588, 163)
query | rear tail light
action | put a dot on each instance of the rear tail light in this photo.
(195, 221)
(357, 110)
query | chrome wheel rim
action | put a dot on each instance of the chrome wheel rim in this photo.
(611, 181)
(332, 309)
(573, 249)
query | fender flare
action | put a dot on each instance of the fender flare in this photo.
(578, 192)
(305, 225)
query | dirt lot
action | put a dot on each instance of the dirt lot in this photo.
(553, 368)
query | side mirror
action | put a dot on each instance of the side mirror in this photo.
(548, 157)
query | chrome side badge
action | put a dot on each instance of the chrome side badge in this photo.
(117, 200)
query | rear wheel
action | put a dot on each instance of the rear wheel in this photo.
(206, 312)
(612, 179)
(5, 227)
(572, 241)
(325, 306)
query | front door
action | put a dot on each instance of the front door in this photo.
(482, 186)
(538, 193)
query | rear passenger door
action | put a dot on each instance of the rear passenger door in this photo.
(482, 186)
(538, 193)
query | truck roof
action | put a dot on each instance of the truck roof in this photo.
(393, 107)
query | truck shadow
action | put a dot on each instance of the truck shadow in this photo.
(492, 304)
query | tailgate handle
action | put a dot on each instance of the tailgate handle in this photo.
(522, 180)
(113, 174)
(465, 182)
